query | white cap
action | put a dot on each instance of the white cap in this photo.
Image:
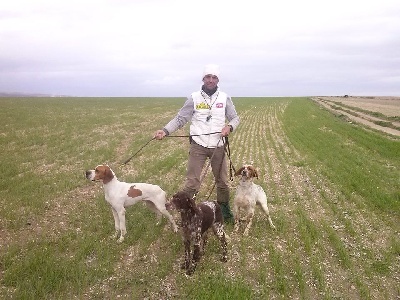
(211, 70)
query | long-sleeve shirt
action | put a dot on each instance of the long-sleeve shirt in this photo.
(185, 115)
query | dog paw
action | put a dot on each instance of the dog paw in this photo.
(121, 239)
(115, 235)
(184, 266)
(190, 271)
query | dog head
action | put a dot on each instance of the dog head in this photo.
(101, 172)
(182, 202)
(247, 172)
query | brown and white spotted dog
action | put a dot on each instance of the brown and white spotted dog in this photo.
(196, 221)
(122, 194)
(248, 194)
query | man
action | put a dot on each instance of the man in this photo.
(208, 110)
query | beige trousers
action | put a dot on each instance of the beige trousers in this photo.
(197, 159)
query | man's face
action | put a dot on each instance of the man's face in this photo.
(210, 81)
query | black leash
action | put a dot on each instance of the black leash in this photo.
(193, 134)
(232, 170)
(129, 159)
(227, 148)
(205, 172)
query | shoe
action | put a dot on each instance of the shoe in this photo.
(226, 212)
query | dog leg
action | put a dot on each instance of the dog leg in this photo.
(161, 209)
(195, 260)
(203, 244)
(236, 219)
(249, 222)
(219, 231)
(159, 218)
(270, 222)
(165, 212)
(116, 223)
(264, 207)
(236, 226)
(186, 264)
(122, 226)
(171, 220)
(196, 252)
(150, 205)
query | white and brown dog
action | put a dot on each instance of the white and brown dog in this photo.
(122, 194)
(248, 194)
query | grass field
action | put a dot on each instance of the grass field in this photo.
(333, 187)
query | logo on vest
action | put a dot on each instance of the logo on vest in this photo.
(219, 105)
(203, 105)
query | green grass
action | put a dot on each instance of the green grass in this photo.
(333, 191)
(358, 161)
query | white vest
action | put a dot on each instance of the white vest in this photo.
(208, 117)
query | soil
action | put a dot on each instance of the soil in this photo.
(387, 107)
(290, 186)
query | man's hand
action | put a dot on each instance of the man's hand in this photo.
(226, 130)
(159, 134)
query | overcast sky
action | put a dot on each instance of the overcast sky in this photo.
(159, 47)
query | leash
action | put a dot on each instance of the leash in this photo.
(204, 173)
(231, 167)
(148, 142)
(209, 163)
(129, 159)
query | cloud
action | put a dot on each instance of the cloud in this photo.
(158, 48)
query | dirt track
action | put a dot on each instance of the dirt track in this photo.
(356, 108)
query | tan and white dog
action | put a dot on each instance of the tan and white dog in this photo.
(122, 194)
(248, 194)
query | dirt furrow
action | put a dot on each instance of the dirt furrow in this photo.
(358, 117)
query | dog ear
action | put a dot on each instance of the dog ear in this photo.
(169, 205)
(177, 200)
(108, 175)
(239, 172)
(255, 173)
(192, 205)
